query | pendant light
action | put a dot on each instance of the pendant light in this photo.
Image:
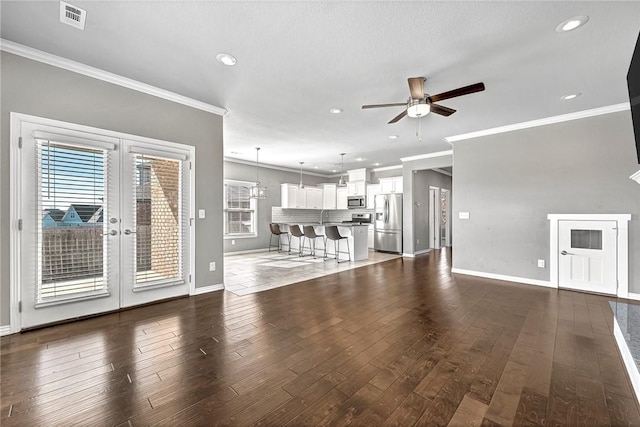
(341, 182)
(258, 191)
(301, 186)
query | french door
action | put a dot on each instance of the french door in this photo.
(104, 223)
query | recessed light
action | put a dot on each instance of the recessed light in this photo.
(393, 136)
(359, 159)
(333, 170)
(226, 59)
(572, 96)
(376, 164)
(572, 23)
(235, 152)
(315, 167)
(335, 110)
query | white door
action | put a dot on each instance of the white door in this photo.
(80, 251)
(587, 258)
(434, 218)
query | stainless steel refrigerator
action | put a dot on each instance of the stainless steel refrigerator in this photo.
(387, 235)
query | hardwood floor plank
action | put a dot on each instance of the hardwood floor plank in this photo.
(402, 342)
(469, 413)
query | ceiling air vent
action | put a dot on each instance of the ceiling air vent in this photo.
(72, 15)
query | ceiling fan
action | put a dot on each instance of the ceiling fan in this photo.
(420, 104)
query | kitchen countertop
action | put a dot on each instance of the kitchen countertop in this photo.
(339, 224)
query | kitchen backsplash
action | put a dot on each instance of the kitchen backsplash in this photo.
(301, 216)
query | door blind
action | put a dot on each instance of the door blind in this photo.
(160, 218)
(73, 204)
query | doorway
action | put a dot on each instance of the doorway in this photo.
(103, 221)
(439, 215)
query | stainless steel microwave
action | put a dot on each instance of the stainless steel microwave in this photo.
(356, 202)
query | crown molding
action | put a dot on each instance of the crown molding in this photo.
(386, 168)
(96, 73)
(427, 156)
(542, 122)
(279, 168)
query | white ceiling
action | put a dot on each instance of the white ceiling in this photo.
(296, 60)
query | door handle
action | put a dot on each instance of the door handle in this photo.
(111, 233)
(127, 232)
(565, 253)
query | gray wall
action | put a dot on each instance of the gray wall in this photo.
(375, 176)
(408, 203)
(510, 182)
(422, 180)
(271, 178)
(37, 89)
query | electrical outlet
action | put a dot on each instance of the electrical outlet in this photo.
(463, 215)
(212, 266)
(201, 213)
(541, 263)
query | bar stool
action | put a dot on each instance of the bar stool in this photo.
(310, 233)
(275, 231)
(334, 234)
(295, 232)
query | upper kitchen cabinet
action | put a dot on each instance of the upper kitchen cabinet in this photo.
(313, 198)
(329, 196)
(357, 188)
(341, 198)
(359, 175)
(391, 185)
(291, 196)
(372, 191)
(357, 185)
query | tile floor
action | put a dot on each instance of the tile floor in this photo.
(260, 271)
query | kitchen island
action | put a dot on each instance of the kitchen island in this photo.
(356, 233)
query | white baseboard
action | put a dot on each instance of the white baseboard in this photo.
(408, 255)
(423, 251)
(5, 330)
(524, 280)
(629, 363)
(206, 289)
(633, 296)
(250, 251)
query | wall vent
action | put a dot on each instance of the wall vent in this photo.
(72, 15)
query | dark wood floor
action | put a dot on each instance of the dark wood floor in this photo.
(397, 343)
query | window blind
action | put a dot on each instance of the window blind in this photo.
(160, 218)
(73, 204)
(239, 209)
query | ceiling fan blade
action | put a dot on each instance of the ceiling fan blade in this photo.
(397, 104)
(416, 87)
(398, 117)
(478, 87)
(443, 111)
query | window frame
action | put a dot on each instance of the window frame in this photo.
(252, 209)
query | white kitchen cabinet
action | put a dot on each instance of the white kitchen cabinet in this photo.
(372, 191)
(391, 185)
(341, 198)
(359, 175)
(370, 236)
(313, 198)
(356, 188)
(291, 196)
(329, 196)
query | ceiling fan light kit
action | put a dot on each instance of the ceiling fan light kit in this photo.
(418, 108)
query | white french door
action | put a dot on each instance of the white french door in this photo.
(104, 223)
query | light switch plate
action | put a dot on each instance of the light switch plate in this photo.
(212, 266)
(463, 215)
(201, 213)
(541, 263)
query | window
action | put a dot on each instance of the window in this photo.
(239, 210)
